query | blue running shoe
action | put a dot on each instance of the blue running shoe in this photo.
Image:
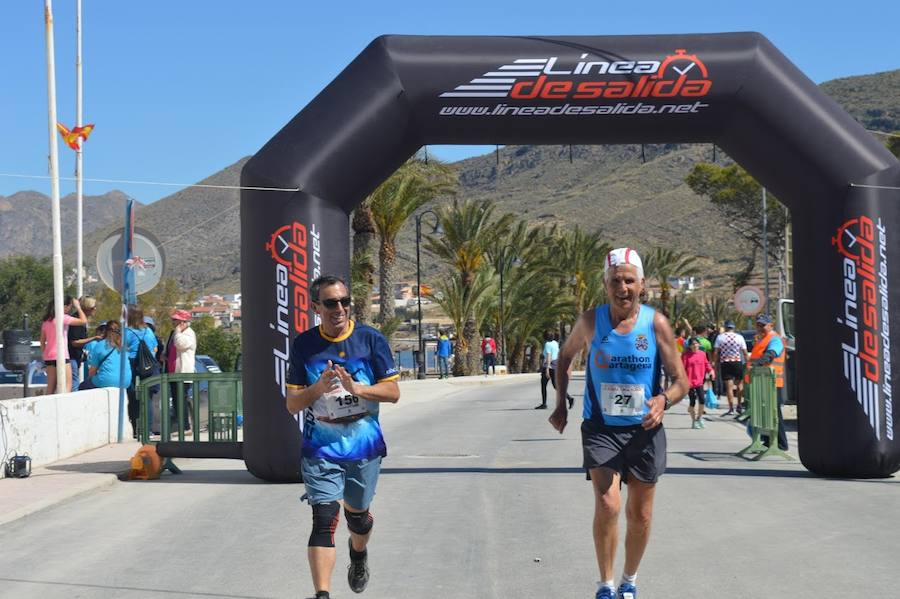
(605, 592)
(627, 591)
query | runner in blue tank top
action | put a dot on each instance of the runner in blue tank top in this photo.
(622, 434)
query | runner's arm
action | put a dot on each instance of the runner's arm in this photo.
(665, 342)
(580, 338)
(386, 390)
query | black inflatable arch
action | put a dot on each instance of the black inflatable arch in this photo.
(735, 90)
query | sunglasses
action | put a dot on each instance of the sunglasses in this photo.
(331, 304)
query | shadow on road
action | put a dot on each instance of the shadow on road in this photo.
(154, 591)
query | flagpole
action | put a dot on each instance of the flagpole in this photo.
(61, 361)
(78, 164)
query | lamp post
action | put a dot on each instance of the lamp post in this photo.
(501, 269)
(420, 360)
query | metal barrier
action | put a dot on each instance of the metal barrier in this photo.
(763, 409)
(223, 412)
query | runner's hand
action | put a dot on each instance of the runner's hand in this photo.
(345, 379)
(559, 417)
(654, 417)
(329, 380)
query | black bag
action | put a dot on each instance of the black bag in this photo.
(145, 365)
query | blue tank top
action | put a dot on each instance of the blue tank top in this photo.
(622, 371)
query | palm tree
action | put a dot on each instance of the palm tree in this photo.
(469, 231)
(459, 302)
(413, 185)
(662, 264)
(579, 258)
(362, 265)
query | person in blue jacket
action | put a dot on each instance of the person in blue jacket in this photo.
(136, 332)
(443, 355)
(104, 360)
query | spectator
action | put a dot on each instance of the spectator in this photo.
(179, 357)
(104, 360)
(48, 342)
(729, 356)
(443, 355)
(549, 357)
(489, 354)
(78, 339)
(768, 350)
(94, 341)
(136, 332)
(697, 366)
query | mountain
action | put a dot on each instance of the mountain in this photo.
(607, 188)
(26, 221)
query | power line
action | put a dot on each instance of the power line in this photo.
(188, 230)
(883, 133)
(287, 189)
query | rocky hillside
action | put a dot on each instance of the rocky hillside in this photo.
(607, 188)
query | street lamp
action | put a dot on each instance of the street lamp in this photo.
(515, 262)
(420, 360)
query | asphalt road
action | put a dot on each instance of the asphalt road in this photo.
(478, 497)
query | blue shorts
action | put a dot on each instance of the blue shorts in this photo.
(354, 482)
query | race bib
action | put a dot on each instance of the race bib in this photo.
(341, 404)
(622, 400)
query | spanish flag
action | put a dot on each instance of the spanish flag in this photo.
(71, 137)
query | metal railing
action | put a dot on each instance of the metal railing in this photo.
(763, 409)
(221, 392)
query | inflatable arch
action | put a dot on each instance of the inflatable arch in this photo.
(734, 89)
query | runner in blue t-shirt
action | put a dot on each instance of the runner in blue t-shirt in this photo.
(622, 435)
(339, 373)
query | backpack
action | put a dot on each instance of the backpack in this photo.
(145, 365)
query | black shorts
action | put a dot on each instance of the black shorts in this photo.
(696, 394)
(733, 371)
(628, 450)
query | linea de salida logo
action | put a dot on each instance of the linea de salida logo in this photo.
(865, 319)
(296, 252)
(550, 78)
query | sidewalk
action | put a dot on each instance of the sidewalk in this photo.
(54, 483)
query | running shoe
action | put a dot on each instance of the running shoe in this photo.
(605, 592)
(357, 571)
(729, 412)
(543, 406)
(627, 591)
(701, 423)
(695, 424)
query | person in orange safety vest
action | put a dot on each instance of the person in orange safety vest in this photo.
(769, 351)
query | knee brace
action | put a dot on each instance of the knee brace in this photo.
(325, 520)
(359, 522)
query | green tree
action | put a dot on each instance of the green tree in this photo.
(26, 285)
(469, 230)
(413, 185)
(221, 345)
(738, 196)
(893, 144)
(460, 301)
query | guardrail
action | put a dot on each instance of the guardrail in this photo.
(763, 412)
(223, 395)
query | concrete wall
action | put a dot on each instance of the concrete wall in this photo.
(53, 427)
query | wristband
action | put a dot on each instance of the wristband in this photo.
(668, 401)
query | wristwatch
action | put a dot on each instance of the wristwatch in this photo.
(668, 401)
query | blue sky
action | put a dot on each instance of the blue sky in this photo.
(181, 89)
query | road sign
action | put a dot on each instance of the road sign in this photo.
(148, 261)
(749, 300)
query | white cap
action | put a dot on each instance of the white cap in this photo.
(621, 256)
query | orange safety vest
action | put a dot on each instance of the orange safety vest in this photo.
(777, 364)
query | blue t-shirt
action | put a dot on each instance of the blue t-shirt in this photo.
(551, 349)
(622, 361)
(776, 345)
(90, 345)
(443, 347)
(133, 338)
(106, 359)
(365, 354)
